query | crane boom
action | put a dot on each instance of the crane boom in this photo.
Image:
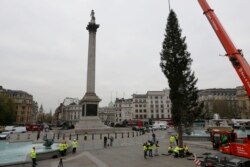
(235, 56)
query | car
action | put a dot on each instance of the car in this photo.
(5, 135)
(20, 129)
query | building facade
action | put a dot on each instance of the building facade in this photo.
(243, 102)
(25, 107)
(219, 101)
(107, 114)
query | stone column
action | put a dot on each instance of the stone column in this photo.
(90, 100)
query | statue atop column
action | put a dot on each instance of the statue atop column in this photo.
(92, 16)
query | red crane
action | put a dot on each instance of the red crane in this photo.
(235, 56)
(233, 147)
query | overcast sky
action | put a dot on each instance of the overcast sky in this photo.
(44, 46)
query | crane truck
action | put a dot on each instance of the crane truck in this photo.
(241, 146)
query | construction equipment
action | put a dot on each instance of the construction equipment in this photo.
(235, 55)
(237, 146)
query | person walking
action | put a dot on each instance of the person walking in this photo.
(105, 139)
(74, 146)
(153, 137)
(111, 141)
(176, 139)
(33, 156)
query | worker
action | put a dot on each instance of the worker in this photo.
(170, 149)
(150, 148)
(145, 150)
(223, 139)
(172, 140)
(61, 148)
(33, 156)
(74, 146)
(176, 151)
(156, 147)
(186, 150)
(65, 146)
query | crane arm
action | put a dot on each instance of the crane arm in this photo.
(235, 56)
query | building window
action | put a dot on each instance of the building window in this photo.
(136, 110)
(140, 110)
(145, 116)
(145, 110)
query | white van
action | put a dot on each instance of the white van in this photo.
(20, 129)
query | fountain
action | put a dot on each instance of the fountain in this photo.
(47, 142)
(18, 153)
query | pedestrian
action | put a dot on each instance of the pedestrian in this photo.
(176, 139)
(105, 139)
(156, 148)
(74, 146)
(38, 135)
(61, 148)
(145, 150)
(33, 156)
(153, 137)
(111, 141)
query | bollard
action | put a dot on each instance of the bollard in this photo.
(63, 136)
(76, 136)
(122, 134)
(58, 136)
(70, 136)
(133, 134)
(53, 136)
(18, 136)
(28, 136)
(46, 136)
(92, 136)
(116, 135)
(108, 135)
(100, 136)
(136, 133)
(128, 134)
(85, 136)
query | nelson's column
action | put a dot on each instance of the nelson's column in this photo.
(89, 117)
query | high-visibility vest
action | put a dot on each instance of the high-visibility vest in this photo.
(186, 148)
(74, 144)
(172, 139)
(145, 148)
(176, 149)
(170, 149)
(65, 146)
(33, 153)
(150, 147)
(176, 136)
(61, 147)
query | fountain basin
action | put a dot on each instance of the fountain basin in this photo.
(18, 153)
